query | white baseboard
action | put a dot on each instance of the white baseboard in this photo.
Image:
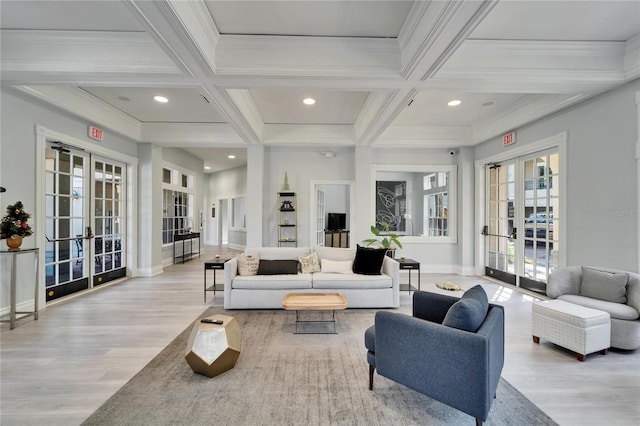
(25, 306)
(150, 272)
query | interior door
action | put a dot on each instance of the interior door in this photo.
(85, 220)
(67, 199)
(523, 205)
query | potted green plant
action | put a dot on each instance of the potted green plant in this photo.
(14, 225)
(384, 238)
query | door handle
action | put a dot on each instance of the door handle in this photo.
(88, 236)
(513, 235)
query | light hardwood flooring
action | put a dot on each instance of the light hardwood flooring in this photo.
(61, 368)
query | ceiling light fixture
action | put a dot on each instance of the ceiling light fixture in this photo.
(308, 101)
(230, 156)
(161, 99)
(207, 168)
(454, 102)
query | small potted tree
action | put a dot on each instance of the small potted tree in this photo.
(384, 238)
(14, 226)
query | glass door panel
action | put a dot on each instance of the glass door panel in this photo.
(109, 217)
(66, 268)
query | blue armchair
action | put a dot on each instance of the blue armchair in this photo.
(457, 367)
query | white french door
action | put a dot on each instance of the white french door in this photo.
(84, 224)
(522, 219)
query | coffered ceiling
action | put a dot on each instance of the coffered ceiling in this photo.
(235, 72)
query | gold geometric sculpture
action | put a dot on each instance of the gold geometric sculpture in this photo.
(214, 348)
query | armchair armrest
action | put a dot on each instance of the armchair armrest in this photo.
(432, 306)
(230, 272)
(564, 281)
(391, 267)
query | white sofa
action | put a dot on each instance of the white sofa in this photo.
(268, 291)
(568, 284)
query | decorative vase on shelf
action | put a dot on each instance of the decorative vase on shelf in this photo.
(14, 242)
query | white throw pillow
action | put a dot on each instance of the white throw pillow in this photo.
(248, 264)
(337, 266)
(309, 263)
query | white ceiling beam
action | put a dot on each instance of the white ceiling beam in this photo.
(573, 64)
(406, 136)
(434, 30)
(379, 111)
(632, 58)
(290, 56)
(94, 53)
(191, 135)
(308, 135)
(247, 107)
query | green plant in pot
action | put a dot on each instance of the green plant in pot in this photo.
(384, 238)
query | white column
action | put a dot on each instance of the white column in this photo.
(255, 194)
(466, 208)
(363, 207)
(638, 179)
(150, 210)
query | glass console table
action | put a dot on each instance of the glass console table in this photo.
(14, 266)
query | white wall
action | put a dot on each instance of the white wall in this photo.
(602, 215)
(226, 184)
(336, 199)
(302, 166)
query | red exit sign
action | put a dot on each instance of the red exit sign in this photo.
(95, 133)
(509, 139)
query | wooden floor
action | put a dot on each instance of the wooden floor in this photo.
(61, 368)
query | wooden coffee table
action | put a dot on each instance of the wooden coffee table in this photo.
(315, 302)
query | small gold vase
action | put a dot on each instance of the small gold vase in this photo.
(14, 242)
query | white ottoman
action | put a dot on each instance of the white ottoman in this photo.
(583, 330)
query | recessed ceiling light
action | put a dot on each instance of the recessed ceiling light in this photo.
(308, 101)
(207, 168)
(454, 102)
(161, 99)
(231, 156)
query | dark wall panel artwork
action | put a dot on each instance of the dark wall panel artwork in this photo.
(391, 204)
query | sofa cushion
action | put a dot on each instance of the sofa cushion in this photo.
(323, 280)
(309, 263)
(608, 286)
(248, 264)
(615, 310)
(337, 266)
(368, 260)
(277, 267)
(273, 282)
(469, 312)
(335, 253)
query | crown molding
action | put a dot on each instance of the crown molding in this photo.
(247, 107)
(94, 52)
(524, 111)
(80, 103)
(433, 31)
(191, 135)
(307, 56)
(425, 136)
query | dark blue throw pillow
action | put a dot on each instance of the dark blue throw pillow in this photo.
(469, 312)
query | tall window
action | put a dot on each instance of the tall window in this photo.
(436, 198)
(177, 203)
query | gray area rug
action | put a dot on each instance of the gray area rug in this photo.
(290, 379)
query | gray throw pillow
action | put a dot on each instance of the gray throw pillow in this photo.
(469, 312)
(602, 285)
